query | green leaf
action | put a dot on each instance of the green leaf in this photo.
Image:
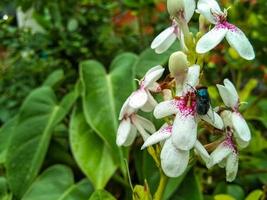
(101, 195)
(104, 94)
(90, 152)
(189, 189)
(254, 195)
(38, 116)
(5, 135)
(57, 183)
(148, 59)
(54, 78)
(223, 197)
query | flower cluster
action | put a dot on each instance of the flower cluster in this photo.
(186, 102)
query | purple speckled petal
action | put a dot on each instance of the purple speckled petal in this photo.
(237, 39)
(211, 39)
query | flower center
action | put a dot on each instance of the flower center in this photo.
(168, 129)
(229, 142)
(226, 25)
(186, 104)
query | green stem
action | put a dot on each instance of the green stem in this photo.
(162, 185)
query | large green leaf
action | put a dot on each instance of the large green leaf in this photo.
(104, 94)
(38, 116)
(91, 153)
(5, 135)
(101, 195)
(57, 183)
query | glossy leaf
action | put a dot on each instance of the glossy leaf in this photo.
(54, 78)
(101, 195)
(104, 94)
(5, 134)
(39, 114)
(90, 152)
(57, 183)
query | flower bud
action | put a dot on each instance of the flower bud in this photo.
(178, 64)
(174, 6)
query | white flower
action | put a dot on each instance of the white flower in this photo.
(184, 132)
(131, 124)
(233, 118)
(226, 155)
(183, 8)
(166, 38)
(173, 160)
(142, 99)
(235, 37)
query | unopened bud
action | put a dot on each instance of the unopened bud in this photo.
(178, 66)
(174, 7)
(178, 63)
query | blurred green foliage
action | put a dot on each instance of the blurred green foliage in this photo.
(44, 67)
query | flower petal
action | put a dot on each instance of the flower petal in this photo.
(131, 136)
(241, 127)
(213, 118)
(123, 132)
(226, 96)
(164, 40)
(173, 160)
(150, 104)
(231, 88)
(126, 110)
(162, 134)
(231, 167)
(192, 78)
(165, 108)
(152, 77)
(210, 39)
(202, 152)
(184, 132)
(138, 98)
(206, 7)
(189, 9)
(237, 39)
(154, 87)
(140, 128)
(221, 152)
(241, 143)
(146, 124)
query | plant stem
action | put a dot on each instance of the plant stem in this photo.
(162, 185)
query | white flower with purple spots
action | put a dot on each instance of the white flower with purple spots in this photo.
(185, 9)
(174, 161)
(235, 37)
(236, 121)
(131, 124)
(226, 155)
(142, 98)
(184, 131)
